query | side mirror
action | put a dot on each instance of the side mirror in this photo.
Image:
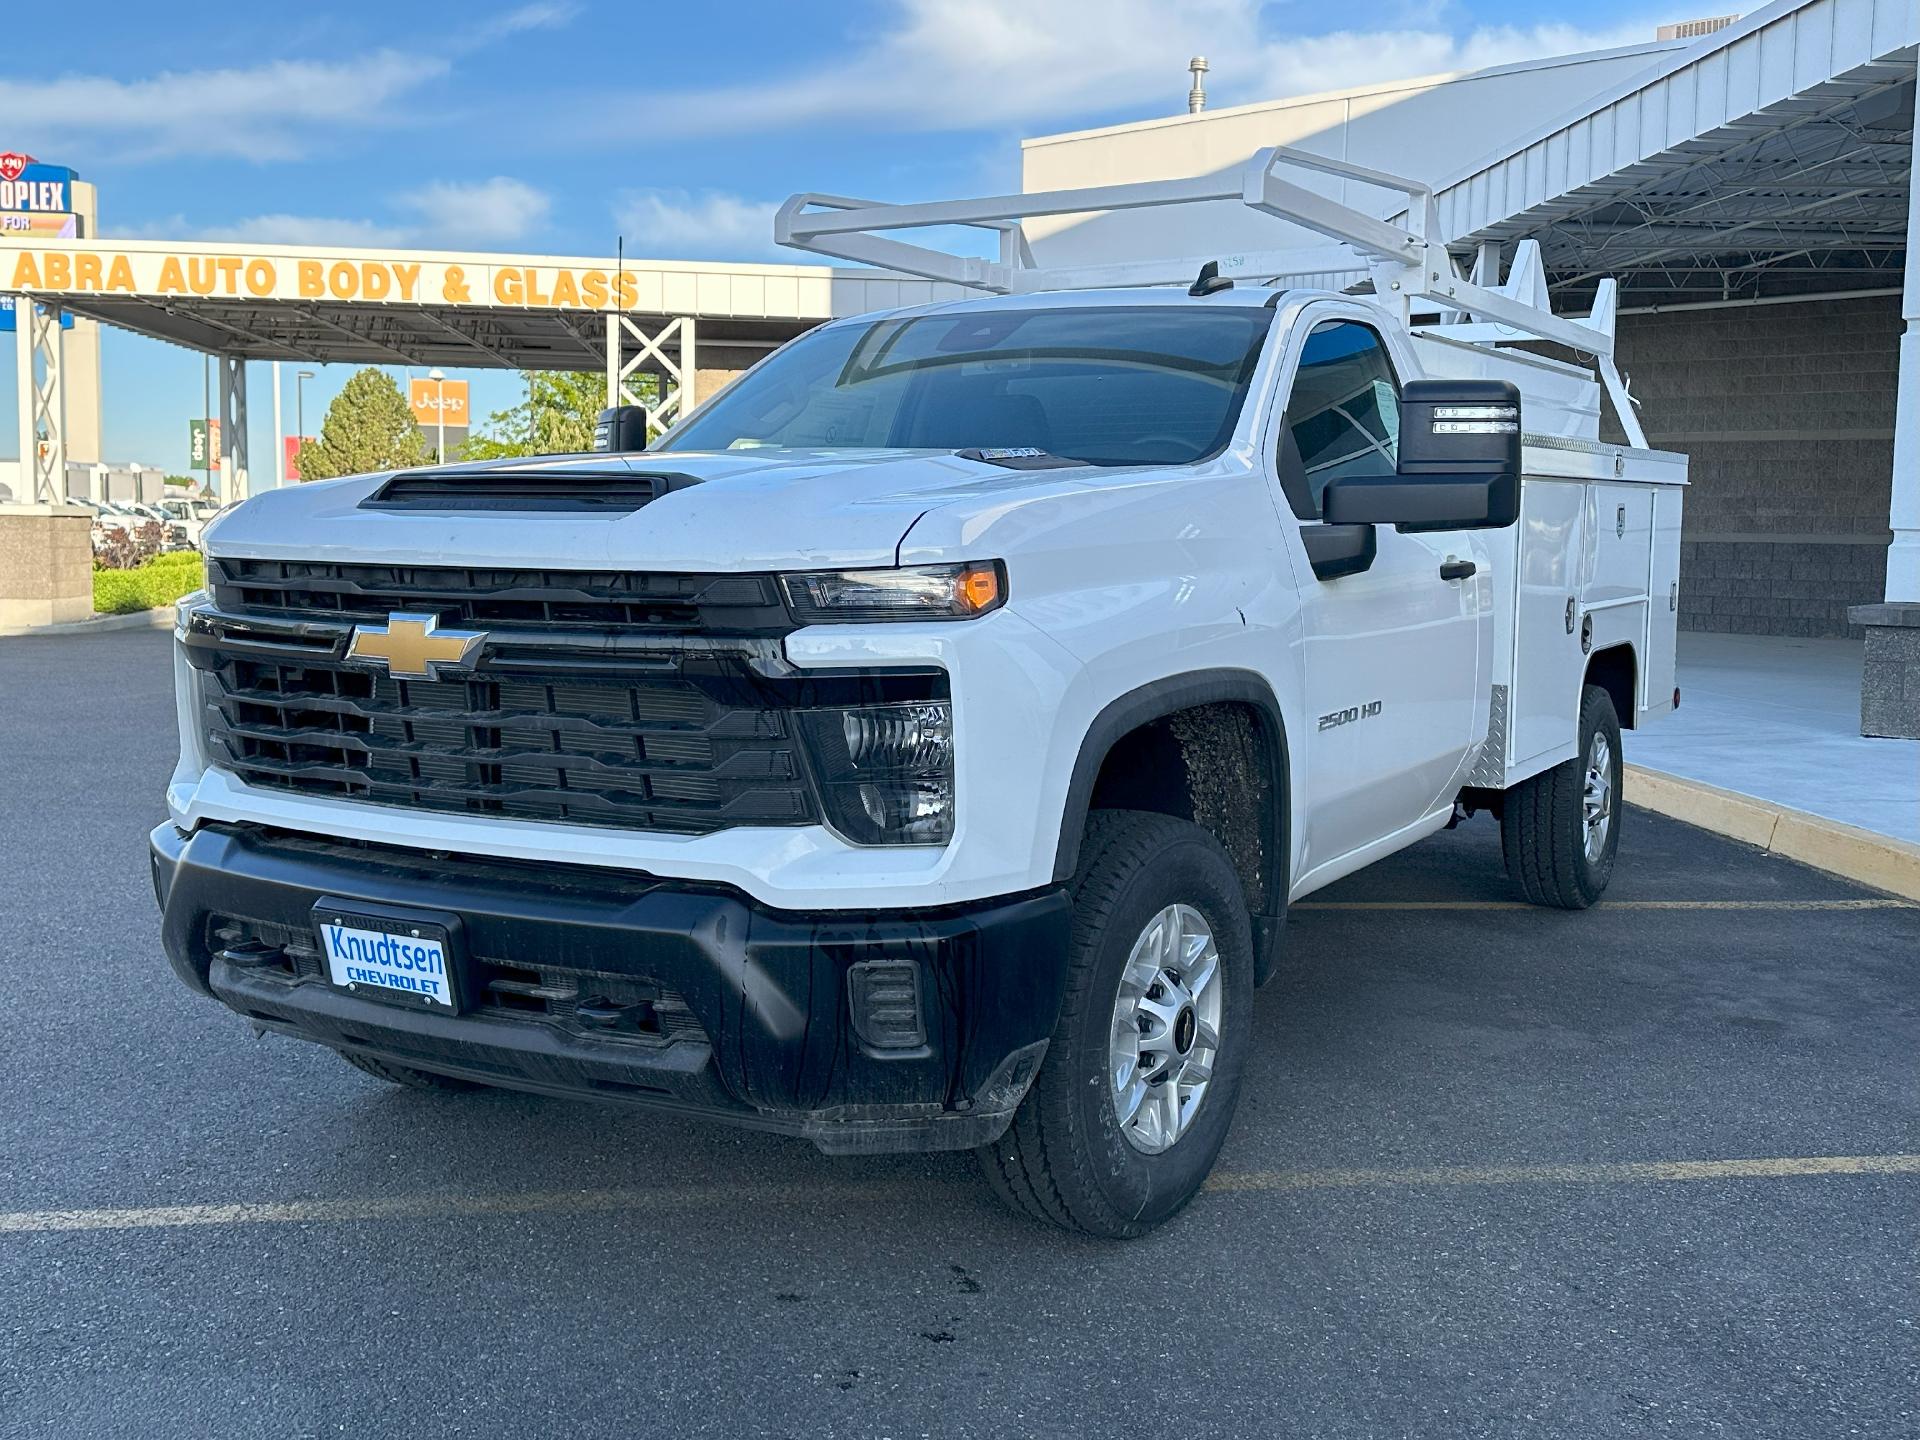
(1459, 462)
(621, 430)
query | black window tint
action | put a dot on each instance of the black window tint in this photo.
(1343, 417)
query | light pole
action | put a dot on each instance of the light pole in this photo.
(439, 413)
(300, 378)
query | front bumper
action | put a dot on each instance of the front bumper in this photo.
(720, 1006)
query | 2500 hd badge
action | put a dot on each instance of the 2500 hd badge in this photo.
(1337, 718)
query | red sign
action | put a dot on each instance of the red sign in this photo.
(293, 444)
(12, 162)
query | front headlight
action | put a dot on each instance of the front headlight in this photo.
(914, 592)
(886, 771)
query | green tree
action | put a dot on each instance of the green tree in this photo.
(556, 418)
(368, 427)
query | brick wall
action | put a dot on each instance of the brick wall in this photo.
(1786, 412)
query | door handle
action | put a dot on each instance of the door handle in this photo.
(1457, 569)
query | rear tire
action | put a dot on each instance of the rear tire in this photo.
(405, 1074)
(1129, 1111)
(1560, 830)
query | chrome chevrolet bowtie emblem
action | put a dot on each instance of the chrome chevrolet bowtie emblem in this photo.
(413, 645)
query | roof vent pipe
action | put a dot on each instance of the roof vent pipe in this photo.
(1197, 96)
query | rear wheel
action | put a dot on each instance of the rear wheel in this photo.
(1142, 1074)
(1560, 830)
(405, 1074)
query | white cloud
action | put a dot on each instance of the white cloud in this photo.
(263, 112)
(448, 214)
(499, 211)
(306, 230)
(1000, 63)
(537, 16)
(710, 225)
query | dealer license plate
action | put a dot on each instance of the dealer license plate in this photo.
(390, 957)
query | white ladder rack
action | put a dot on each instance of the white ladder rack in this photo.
(1403, 256)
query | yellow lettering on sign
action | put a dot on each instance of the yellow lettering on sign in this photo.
(229, 268)
(593, 290)
(376, 282)
(26, 275)
(627, 291)
(260, 277)
(409, 277)
(566, 290)
(59, 272)
(342, 282)
(86, 272)
(120, 274)
(509, 287)
(311, 283)
(454, 288)
(200, 275)
(172, 280)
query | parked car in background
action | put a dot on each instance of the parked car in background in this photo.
(190, 515)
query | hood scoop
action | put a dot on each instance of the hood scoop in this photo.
(500, 491)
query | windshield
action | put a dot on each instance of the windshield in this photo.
(1137, 385)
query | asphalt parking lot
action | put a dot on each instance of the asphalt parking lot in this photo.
(1497, 1171)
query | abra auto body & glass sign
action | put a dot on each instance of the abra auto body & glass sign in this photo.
(289, 274)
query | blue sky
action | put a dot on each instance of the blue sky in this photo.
(553, 126)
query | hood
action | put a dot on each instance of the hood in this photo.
(749, 510)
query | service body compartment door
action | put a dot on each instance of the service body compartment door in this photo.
(1664, 606)
(1548, 666)
(1619, 546)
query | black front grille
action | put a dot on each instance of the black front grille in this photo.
(526, 599)
(689, 751)
(641, 701)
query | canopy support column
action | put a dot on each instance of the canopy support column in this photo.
(43, 403)
(632, 350)
(233, 427)
(1890, 678)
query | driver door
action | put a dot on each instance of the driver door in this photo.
(1396, 657)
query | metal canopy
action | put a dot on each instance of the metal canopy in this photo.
(325, 333)
(1772, 158)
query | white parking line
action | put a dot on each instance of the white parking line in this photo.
(563, 1202)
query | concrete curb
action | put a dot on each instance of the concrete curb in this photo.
(160, 618)
(1845, 850)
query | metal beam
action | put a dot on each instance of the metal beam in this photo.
(324, 323)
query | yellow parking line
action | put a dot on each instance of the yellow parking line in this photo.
(535, 1202)
(1609, 1174)
(1873, 904)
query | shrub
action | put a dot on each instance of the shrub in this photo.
(158, 582)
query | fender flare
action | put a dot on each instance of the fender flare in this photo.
(1154, 701)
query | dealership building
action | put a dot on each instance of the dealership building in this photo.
(1747, 181)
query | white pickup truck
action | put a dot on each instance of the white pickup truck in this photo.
(919, 746)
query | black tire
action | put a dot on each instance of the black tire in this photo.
(1543, 825)
(1066, 1159)
(405, 1074)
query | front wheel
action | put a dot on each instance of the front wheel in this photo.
(1127, 1115)
(1560, 830)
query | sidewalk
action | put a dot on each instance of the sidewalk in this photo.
(1779, 719)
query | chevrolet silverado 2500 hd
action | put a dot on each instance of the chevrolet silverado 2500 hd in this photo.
(919, 746)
